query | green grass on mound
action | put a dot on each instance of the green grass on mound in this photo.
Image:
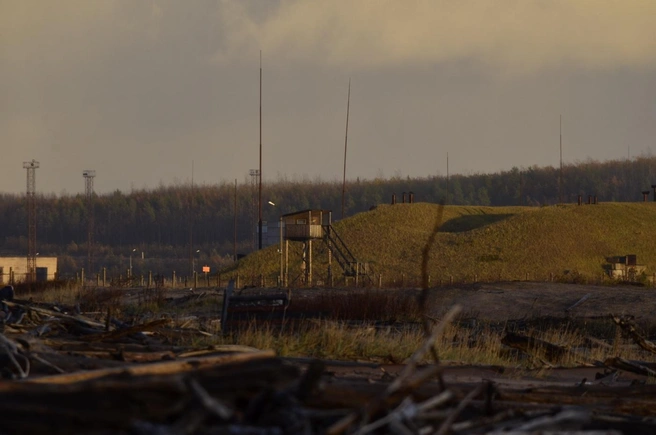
(486, 243)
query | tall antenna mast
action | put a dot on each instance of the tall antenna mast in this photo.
(31, 167)
(89, 175)
(348, 105)
(560, 179)
(259, 202)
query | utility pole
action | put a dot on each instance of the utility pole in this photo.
(348, 104)
(447, 178)
(89, 175)
(191, 223)
(234, 243)
(259, 202)
(560, 179)
(255, 174)
(31, 167)
(521, 188)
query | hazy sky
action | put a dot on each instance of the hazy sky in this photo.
(138, 89)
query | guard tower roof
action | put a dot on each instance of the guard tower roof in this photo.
(306, 211)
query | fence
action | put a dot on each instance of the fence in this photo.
(378, 280)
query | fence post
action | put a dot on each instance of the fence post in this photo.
(104, 276)
(150, 279)
(237, 282)
(82, 277)
(173, 279)
(97, 280)
(195, 280)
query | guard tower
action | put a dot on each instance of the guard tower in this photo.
(316, 225)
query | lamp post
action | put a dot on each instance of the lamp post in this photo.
(134, 250)
(280, 223)
(193, 266)
(281, 279)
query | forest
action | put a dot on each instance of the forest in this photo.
(173, 227)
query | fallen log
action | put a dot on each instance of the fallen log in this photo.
(123, 399)
(629, 328)
(119, 333)
(159, 368)
(629, 366)
(77, 318)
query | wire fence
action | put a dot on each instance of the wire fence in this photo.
(376, 280)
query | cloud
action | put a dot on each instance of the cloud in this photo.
(510, 35)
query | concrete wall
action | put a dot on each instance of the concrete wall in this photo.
(18, 265)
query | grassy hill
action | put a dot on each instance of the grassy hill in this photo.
(484, 242)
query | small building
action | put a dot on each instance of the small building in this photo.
(624, 267)
(14, 269)
(306, 224)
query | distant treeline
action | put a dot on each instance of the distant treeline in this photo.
(175, 221)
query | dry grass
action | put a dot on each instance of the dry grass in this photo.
(366, 326)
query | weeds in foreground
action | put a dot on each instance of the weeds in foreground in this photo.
(384, 332)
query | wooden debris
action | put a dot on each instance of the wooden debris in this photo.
(579, 302)
(629, 328)
(630, 366)
(79, 374)
(160, 368)
(542, 349)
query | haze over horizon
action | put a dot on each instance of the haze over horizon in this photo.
(137, 90)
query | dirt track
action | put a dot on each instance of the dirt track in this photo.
(516, 300)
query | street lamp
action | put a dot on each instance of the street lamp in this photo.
(134, 250)
(193, 261)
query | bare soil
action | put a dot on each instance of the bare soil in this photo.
(502, 301)
(517, 300)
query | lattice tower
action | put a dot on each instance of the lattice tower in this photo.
(31, 167)
(89, 175)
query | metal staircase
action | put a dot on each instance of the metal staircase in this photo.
(343, 255)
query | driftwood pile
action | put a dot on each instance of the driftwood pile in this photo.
(66, 373)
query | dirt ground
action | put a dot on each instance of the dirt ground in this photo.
(498, 302)
(516, 300)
